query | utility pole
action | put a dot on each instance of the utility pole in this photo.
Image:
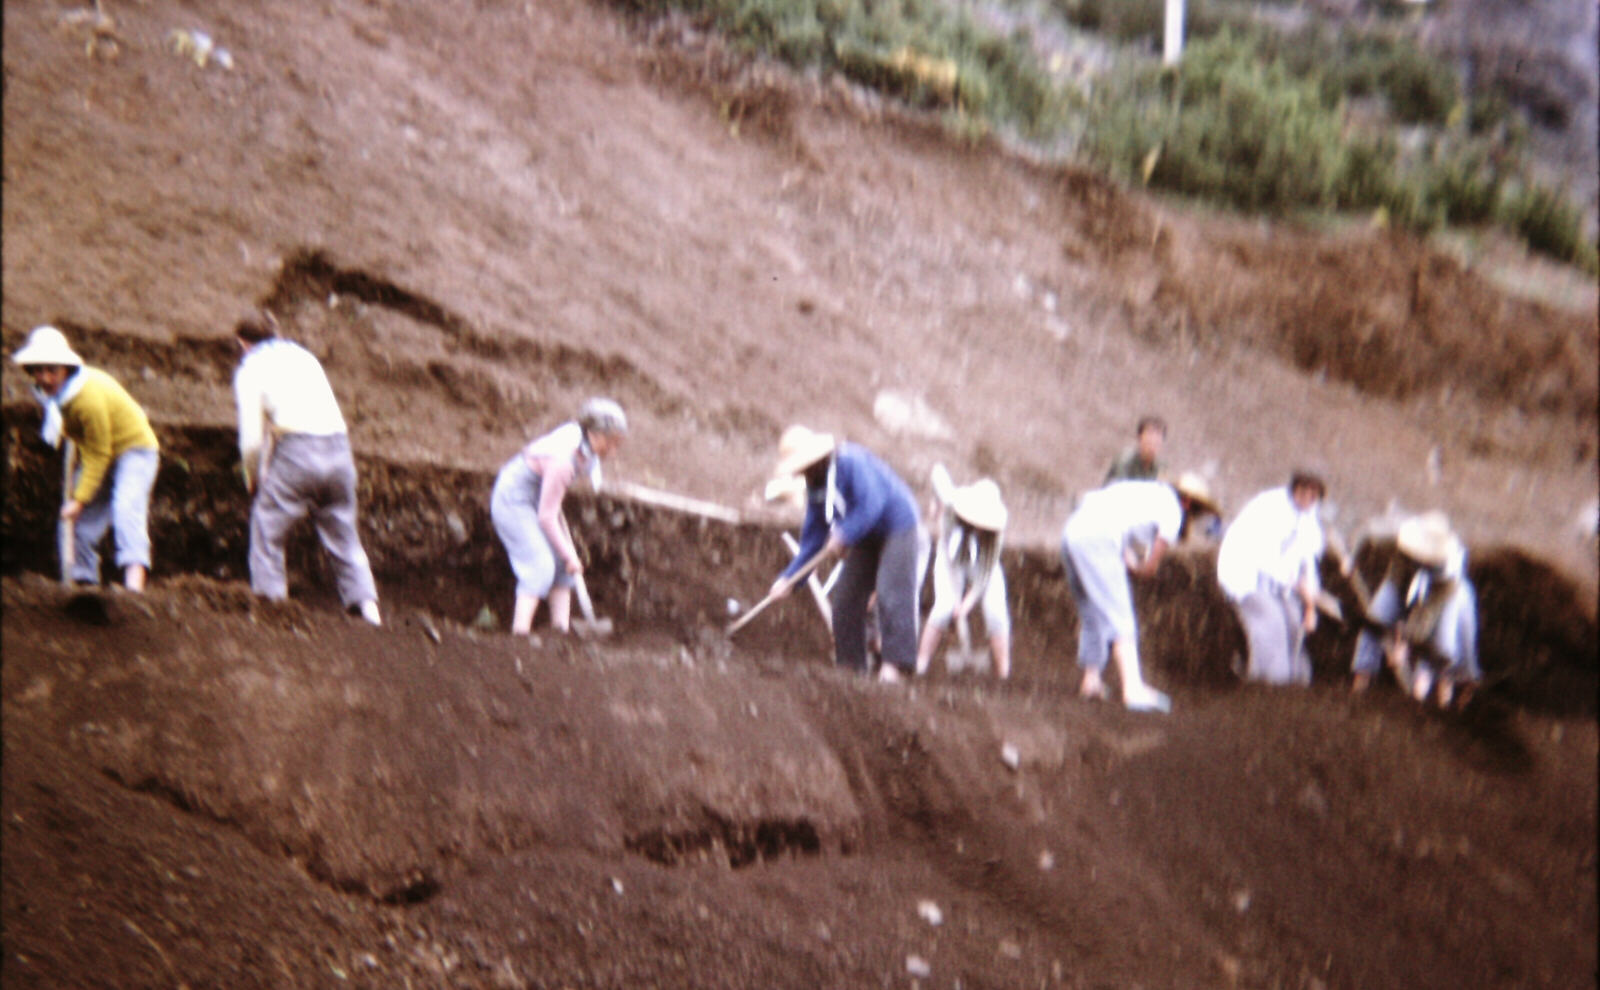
(1172, 50)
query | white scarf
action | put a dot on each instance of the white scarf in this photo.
(51, 429)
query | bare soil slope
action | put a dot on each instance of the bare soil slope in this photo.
(477, 214)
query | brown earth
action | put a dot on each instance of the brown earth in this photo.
(478, 214)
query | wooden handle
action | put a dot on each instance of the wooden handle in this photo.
(758, 607)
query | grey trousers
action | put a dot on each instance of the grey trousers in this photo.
(1273, 631)
(123, 505)
(887, 565)
(316, 476)
(1097, 576)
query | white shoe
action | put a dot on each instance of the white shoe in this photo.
(889, 674)
(369, 612)
(1147, 700)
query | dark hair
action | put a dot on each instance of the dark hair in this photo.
(256, 327)
(1151, 423)
(1304, 477)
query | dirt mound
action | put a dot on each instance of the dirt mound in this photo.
(478, 811)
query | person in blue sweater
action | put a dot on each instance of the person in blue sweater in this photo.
(856, 506)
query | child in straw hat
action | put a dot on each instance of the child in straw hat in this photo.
(856, 506)
(966, 567)
(1430, 632)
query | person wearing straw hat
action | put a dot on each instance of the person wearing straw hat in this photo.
(966, 567)
(1433, 623)
(1098, 552)
(118, 455)
(294, 453)
(526, 508)
(1267, 566)
(858, 507)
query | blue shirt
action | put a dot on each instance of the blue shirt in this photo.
(869, 499)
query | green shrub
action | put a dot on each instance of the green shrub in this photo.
(1549, 224)
(1233, 129)
(1465, 187)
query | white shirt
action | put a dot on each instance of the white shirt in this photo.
(281, 385)
(1273, 539)
(1128, 511)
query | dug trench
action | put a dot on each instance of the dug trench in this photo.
(493, 811)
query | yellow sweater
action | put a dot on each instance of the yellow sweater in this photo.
(104, 421)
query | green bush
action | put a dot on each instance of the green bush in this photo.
(1230, 128)
(1549, 224)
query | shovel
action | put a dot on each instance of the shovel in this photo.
(65, 543)
(819, 591)
(587, 627)
(772, 596)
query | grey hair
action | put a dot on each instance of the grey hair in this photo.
(599, 415)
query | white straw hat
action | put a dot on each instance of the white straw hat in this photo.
(1194, 488)
(1428, 539)
(979, 504)
(47, 345)
(799, 448)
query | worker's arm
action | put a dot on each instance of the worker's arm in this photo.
(558, 474)
(87, 420)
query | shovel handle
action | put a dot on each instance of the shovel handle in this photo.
(772, 596)
(579, 586)
(65, 539)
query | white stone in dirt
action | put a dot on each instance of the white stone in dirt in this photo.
(1009, 756)
(918, 967)
(930, 913)
(901, 413)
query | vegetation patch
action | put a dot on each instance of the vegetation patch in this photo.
(1256, 118)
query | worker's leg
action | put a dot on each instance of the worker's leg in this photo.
(1095, 630)
(133, 477)
(997, 622)
(897, 600)
(280, 502)
(857, 576)
(513, 508)
(335, 516)
(87, 533)
(944, 605)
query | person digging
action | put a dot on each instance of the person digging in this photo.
(1429, 631)
(968, 532)
(526, 509)
(1099, 551)
(118, 456)
(294, 451)
(858, 508)
(1267, 567)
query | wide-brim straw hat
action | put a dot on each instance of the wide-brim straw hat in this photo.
(46, 345)
(1194, 488)
(979, 504)
(799, 448)
(1428, 539)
